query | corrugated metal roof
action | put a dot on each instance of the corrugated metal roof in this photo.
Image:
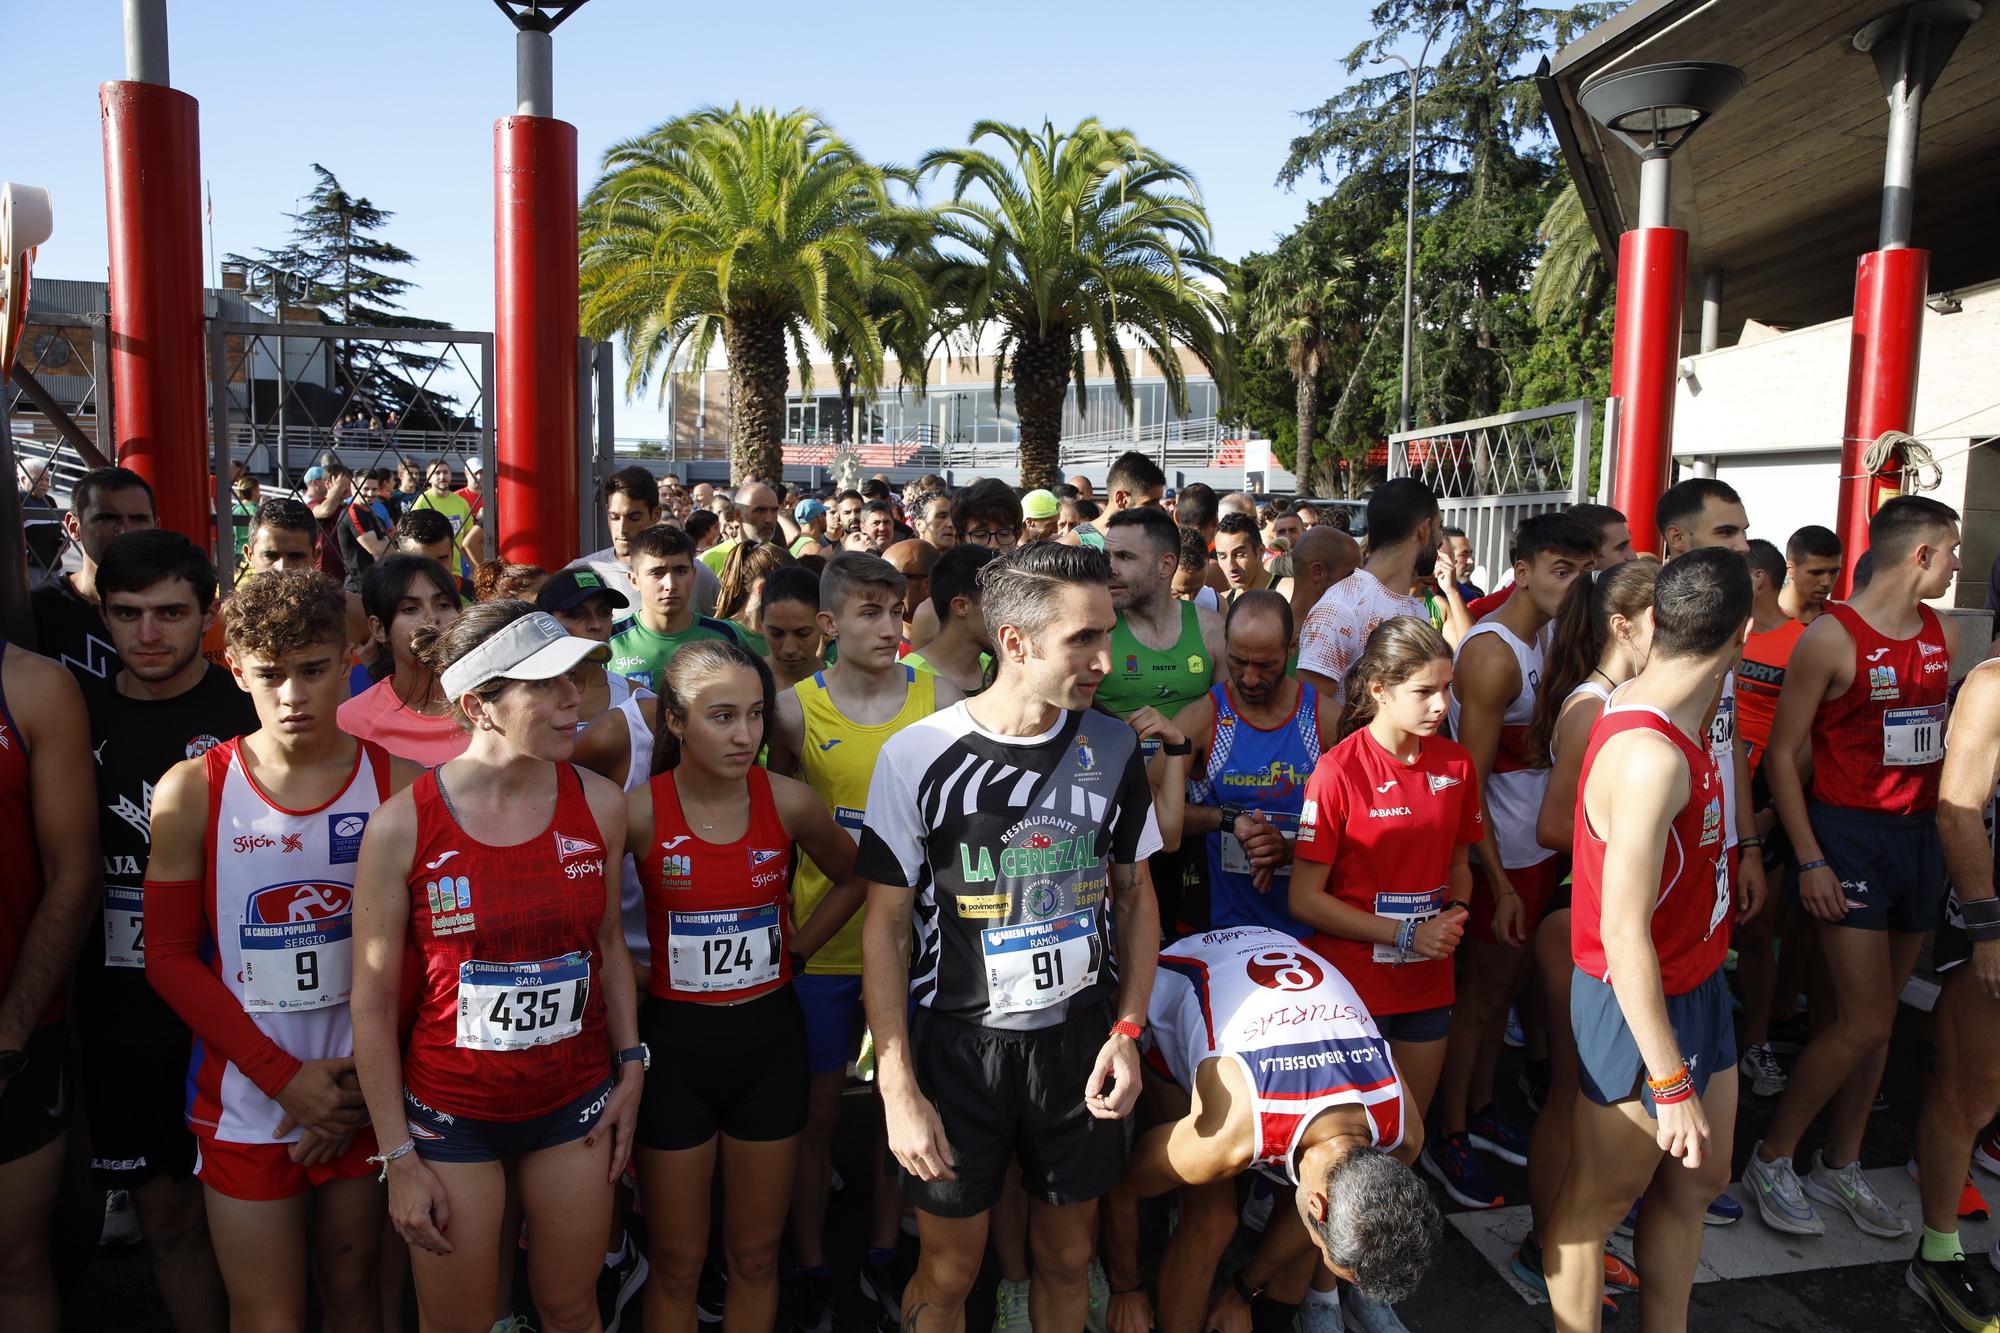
(75, 296)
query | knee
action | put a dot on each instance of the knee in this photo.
(675, 1264)
(947, 1274)
(349, 1280)
(570, 1313)
(1065, 1258)
(752, 1262)
(1864, 1027)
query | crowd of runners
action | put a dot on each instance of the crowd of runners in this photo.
(1152, 858)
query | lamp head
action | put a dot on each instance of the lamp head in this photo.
(1655, 108)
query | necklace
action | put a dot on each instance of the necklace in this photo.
(1599, 671)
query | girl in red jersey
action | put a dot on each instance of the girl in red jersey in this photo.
(1600, 641)
(1390, 818)
(525, 1052)
(713, 836)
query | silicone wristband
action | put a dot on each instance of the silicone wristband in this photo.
(1124, 1028)
(1657, 1084)
(1817, 864)
(1676, 1096)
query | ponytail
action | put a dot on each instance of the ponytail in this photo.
(1577, 638)
(1400, 647)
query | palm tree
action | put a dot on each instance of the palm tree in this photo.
(1068, 236)
(1569, 275)
(1304, 306)
(753, 227)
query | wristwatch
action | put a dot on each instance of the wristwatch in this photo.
(642, 1053)
(1177, 748)
(12, 1063)
(1230, 814)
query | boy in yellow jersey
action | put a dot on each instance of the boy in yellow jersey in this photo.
(829, 729)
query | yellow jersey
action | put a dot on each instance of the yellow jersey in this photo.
(837, 760)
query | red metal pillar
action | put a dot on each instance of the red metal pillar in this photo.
(152, 195)
(1645, 354)
(534, 334)
(1882, 358)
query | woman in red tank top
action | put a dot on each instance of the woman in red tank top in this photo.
(712, 834)
(487, 878)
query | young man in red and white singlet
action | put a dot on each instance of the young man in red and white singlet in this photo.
(1649, 931)
(1260, 1055)
(1494, 680)
(713, 834)
(1866, 686)
(1614, 548)
(46, 900)
(249, 913)
(521, 1073)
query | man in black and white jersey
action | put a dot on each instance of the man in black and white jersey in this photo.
(1013, 829)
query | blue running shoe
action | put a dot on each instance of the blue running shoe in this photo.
(1450, 1161)
(1514, 1036)
(1492, 1132)
(1723, 1211)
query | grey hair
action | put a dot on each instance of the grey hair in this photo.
(1381, 1223)
(1022, 587)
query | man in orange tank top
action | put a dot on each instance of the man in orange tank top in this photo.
(1866, 685)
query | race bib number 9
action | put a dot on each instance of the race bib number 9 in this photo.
(514, 1006)
(724, 950)
(124, 927)
(1912, 736)
(1033, 966)
(297, 965)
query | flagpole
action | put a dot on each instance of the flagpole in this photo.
(208, 198)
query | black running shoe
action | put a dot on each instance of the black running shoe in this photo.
(710, 1295)
(617, 1285)
(812, 1297)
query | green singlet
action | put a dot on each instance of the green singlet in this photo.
(1169, 681)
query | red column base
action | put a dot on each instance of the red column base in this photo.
(1882, 359)
(1645, 355)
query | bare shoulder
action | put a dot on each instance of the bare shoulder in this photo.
(33, 685)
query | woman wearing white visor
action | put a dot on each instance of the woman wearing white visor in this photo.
(490, 871)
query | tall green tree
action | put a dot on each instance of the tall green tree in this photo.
(749, 227)
(345, 269)
(1304, 307)
(1569, 278)
(1068, 238)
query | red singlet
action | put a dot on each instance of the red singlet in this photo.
(717, 913)
(1389, 833)
(23, 893)
(1880, 745)
(510, 1021)
(1759, 678)
(1690, 931)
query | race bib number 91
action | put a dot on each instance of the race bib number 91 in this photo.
(513, 1006)
(1033, 966)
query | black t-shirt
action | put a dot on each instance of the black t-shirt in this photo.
(70, 630)
(1007, 843)
(134, 743)
(355, 520)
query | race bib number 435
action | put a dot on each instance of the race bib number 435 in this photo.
(513, 1006)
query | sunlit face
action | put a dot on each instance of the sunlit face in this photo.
(757, 512)
(157, 631)
(1255, 654)
(880, 529)
(1814, 578)
(296, 694)
(792, 632)
(868, 627)
(664, 582)
(367, 491)
(1548, 576)
(1040, 529)
(1939, 561)
(534, 718)
(934, 523)
(1138, 569)
(591, 618)
(1614, 545)
(701, 495)
(1067, 518)
(438, 476)
(111, 514)
(1416, 705)
(422, 605)
(724, 725)
(1241, 556)
(1286, 528)
(1720, 523)
(1063, 663)
(627, 518)
(998, 533)
(848, 513)
(1462, 558)
(284, 549)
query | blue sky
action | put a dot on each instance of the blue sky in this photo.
(398, 98)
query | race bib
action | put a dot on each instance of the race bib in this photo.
(1033, 966)
(1912, 736)
(1401, 907)
(1236, 861)
(1716, 917)
(1722, 731)
(513, 1006)
(124, 927)
(724, 950)
(297, 965)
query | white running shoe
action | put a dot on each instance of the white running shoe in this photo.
(1319, 1317)
(1760, 1066)
(1848, 1189)
(1010, 1308)
(1780, 1198)
(1257, 1208)
(121, 1220)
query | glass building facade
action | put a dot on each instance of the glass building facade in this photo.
(969, 413)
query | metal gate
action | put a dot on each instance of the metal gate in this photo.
(1491, 473)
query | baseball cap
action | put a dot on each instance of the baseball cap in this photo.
(473, 463)
(535, 647)
(805, 511)
(315, 473)
(568, 589)
(1040, 504)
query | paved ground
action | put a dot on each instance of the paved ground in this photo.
(1752, 1279)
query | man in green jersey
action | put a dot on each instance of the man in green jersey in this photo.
(757, 510)
(1135, 482)
(1163, 651)
(467, 538)
(663, 573)
(962, 648)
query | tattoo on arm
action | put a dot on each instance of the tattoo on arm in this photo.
(911, 1320)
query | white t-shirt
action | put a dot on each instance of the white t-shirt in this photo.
(1338, 626)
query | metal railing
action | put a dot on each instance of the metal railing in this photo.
(1492, 472)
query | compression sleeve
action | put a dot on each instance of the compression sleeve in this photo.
(175, 931)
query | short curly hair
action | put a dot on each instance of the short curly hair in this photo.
(274, 614)
(1381, 1223)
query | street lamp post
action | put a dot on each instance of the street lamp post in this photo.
(1409, 222)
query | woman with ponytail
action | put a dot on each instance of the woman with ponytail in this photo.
(1599, 640)
(741, 588)
(713, 836)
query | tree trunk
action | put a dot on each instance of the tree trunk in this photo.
(1302, 454)
(1041, 375)
(756, 347)
(843, 430)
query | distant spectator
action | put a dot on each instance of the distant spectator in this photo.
(42, 520)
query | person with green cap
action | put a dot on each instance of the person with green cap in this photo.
(1039, 511)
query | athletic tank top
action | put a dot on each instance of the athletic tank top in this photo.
(1259, 769)
(21, 893)
(1691, 915)
(280, 909)
(1515, 786)
(510, 1017)
(1596, 690)
(837, 760)
(1143, 677)
(716, 910)
(1759, 678)
(638, 770)
(1290, 1021)
(1880, 745)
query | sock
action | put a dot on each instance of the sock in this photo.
(1269, 1316)
(813, 1270)
(879, 1256)
(1940, 1246)
(1331, 1296)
